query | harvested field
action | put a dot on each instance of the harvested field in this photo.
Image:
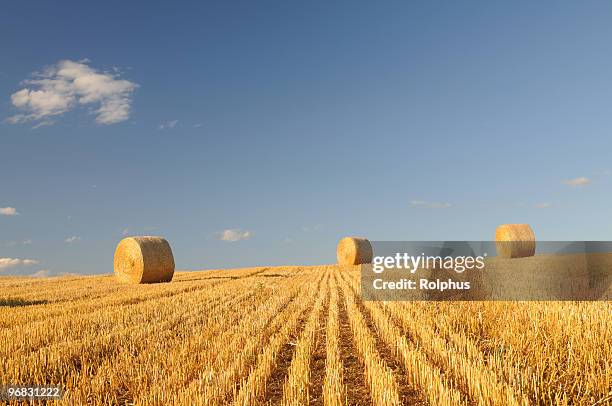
(295, 336)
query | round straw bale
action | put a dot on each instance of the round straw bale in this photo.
(354, 251)
(144, 260)
(515, 241)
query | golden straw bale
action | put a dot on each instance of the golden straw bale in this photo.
(354, 251)
(515, 241)
(144, 260)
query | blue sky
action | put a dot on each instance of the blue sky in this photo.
(287, 125)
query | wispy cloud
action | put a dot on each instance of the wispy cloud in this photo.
(542, 205)
(430, 205)
(14, 243)
(43, 273)
(288, 240)
(308, 229)
(6, 263)
(68, 84)
(198, 125)
(168, 124)
(234, 234)
(73, 239)
(43, 123)
(8, 211)
(580, 181)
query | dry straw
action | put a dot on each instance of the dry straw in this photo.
(144, 260)
(354, 251)
(515, 241)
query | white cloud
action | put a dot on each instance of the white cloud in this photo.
(234, 234)
(430, 205)
(8, 211)
(198, 125)
(73, 239)
(68, 84)
(6, 263)
(43, 273)
(581, 181)
(27, 242)
(168, 124)
(542, 205)
(288, 240)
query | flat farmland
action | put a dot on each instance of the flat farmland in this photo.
(295, 336)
